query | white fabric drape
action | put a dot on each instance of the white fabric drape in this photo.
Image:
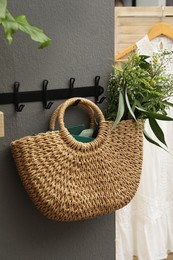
(145, 226)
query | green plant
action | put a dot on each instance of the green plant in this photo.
(11, 25)
(140, 89)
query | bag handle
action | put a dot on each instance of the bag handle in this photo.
(82, 101)
(55, 115)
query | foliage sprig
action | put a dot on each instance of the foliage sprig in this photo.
(11, 25)
(140, 89)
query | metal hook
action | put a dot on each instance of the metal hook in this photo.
(99, 90)
(18, 107)
(45, 104)
(71, 86)
(101, 100)
(97, 79)
(76, 102)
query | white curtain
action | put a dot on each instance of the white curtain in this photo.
(145, 226)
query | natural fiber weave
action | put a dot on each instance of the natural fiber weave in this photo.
(68, 180)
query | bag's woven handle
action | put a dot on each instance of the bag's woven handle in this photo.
(83, 101)
(55, 115)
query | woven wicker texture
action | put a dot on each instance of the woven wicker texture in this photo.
(68, 180)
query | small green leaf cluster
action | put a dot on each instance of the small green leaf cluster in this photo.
(11, 25)
(140, 89)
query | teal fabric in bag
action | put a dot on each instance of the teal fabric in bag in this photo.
(83, 139)
(76, 130)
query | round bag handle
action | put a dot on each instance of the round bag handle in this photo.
(64, 134)
(55, 115)
(82, 101)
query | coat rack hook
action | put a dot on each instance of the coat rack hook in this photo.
(18, 107)
(46, 105)
(101, 100)
(98, 90)
(71, 86)
(97, 79)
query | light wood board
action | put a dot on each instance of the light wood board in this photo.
(133, 23)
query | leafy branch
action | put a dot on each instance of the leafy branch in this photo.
(140, 89)
(11, 25)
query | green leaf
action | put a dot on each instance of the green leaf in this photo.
(134, 105)
(157, 130)
(168, 103)
(3, 6)
(144, 57)
(10, 26)
(151, 140)
(35, 33)
(143, 63)
(128, 105)
(155, 115)
(120, 111)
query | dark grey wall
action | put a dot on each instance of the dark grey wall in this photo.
(82, 34)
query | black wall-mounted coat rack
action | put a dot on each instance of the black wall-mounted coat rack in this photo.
(18, 98)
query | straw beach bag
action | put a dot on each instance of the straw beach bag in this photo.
(68, 180)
